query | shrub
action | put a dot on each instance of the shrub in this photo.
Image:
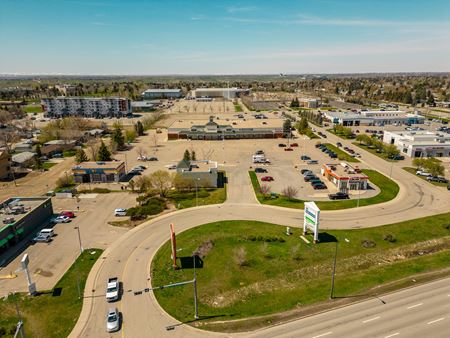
(390, 238)
(368, 243)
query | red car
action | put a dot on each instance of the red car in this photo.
(288, 149)
(294, 145)
(69, 214)
(267, 178)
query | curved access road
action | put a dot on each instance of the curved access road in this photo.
(130, 257)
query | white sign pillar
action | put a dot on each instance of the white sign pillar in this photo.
(311, 219)
(31, 286)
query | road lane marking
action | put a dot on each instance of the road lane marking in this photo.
(369, 320)
(392, 335)
(413, 306)
(437, 320)
(323, 334)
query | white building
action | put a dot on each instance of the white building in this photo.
(86, 106)
(153, 93)
(227, 93)
(419, 143)
(373, 117)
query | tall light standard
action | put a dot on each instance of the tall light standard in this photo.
(333, 273)
(79, 239)
(19, 327)
(196, 191)
(195, 290)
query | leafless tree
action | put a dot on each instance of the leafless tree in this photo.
(162, 181)
(7, 138)
(290, 192)
(265, 190)
(240, 256)
(93, 147)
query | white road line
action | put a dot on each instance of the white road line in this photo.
(437, 320)
(413, 306)
(323, 334)
(392, 335)
(369, 320)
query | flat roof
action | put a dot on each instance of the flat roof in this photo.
(11, 208)
(98, 165)
(157, 90)
(340, 170)
(85, 98)
(235, 123)
(222, 89)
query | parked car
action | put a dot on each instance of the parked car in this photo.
(152, 159)
(303, 171)
(120, 212)
(112, 289)
(312, 162)
(259, 152)
(171, 166)
(45, 238)
(333, 155)
(288, 149)
(437, 179)
(397, 157)
(338, 196)
(294, 145)
(260, 170)
(319, 186)
(58, 155)
(267, 178)
(309, 178)
(47, 232)
(282, 145)
(142, 158)
(422, 173)
(319, 145)
(61, 219)
(338, 144)
(305, 158)
(112, 320)
(69, 214)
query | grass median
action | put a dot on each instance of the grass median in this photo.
(342, 155)
(388, 190)
(51, 313)
(251, 268)
(189, 199)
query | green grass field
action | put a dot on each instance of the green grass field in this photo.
(183, 200)
(48, 165)
(374, 152)
(413, 171)
(52, 313)
(31, 108)
(389, 189)
(253, 269)
(342, 155)
(238, 108)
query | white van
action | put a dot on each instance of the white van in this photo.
(47, 232)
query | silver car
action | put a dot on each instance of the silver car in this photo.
(113, 320)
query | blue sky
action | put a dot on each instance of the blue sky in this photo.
(223, 37)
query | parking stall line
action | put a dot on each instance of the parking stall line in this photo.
(413, 306)
(371, 319)
(436, 320)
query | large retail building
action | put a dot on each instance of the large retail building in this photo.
(419, 143)
(86, 106)
(372, 117)
(152, 93)
(227, 93)
(216, 129)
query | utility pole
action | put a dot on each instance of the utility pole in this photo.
(19, 328)
(195, 290)
(333, 272)
(79, 239)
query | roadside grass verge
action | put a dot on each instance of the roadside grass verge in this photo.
(51, 313)
(388, 190)
(48, 165)
(187, 199)
(373, 151)
(252, 268)
(238, 108)
(342, 155)
(341, 135)
(413, 171)
(30, 109)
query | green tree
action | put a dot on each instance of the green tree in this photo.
(434, 167)
(130, 136)
(103, 153)
(80, 156)
(117, 136)
(391, 150)
(287, 125)
(303, 125)
(418, 162)
(193, 156)
(162, 181)
(187, 155)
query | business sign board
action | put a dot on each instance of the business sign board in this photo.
(311, 219)
(174, 246)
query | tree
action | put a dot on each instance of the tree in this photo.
(187, 155)
(303, 126)
(363, 138)
(391, 150)
(139, 128)
(117, 136)
(434, 167)
(103, 153)
(38, 151)
(290, 192)
(80, 156)
(93, 147)
(265, 190)
(162, 181)
(182, 183)
(130, 136)
(287, 125)
(193, 156)
(418, 162)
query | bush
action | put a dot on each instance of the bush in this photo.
(390, 238)
(153, 206)
(368, 244)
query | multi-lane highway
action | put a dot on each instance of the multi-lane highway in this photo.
(129, 258)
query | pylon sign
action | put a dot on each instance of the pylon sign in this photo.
(311, 219)
(174, 246)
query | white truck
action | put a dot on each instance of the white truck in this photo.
(260, 158)
(112, 289)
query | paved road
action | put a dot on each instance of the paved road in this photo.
(130, 257)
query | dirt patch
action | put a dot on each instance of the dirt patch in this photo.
(203, 249)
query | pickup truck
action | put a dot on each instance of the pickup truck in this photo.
(112, 289)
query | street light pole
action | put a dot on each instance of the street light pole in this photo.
(19, 316)
(333, 272)
(79, 239)
(195, 290)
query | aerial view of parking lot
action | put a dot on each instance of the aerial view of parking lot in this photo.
(224, 169)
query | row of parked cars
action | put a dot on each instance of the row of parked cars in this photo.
(46, 235)
(430, 177)
(327, 151)
(309, 176)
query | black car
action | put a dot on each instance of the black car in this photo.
(437, 179)
(281, 145)
(153, 159)
(309, 178)
(338, 196)
(260, 170)
(338, 144)
(304, 171)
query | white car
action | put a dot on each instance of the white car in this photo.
(171, 166)
(120, 212)
(42, 238)
(112, 320)
(422, 173)
(61, 219)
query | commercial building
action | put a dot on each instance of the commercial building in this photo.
(373, 117)
(220, 130)
(98, 172)
(57, 146)
(94, 107)
(419, 143)
(203, 173)
(5, 165)
(21, 216)
(309, 103)
(227, 93)
(345, 177)
(152, 93)
(143, 106)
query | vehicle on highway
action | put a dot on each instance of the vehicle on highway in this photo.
(422, 173)
(267, 178)
(120, 212)
(339, 196)
(45, 238)
(260, 170)
(112, 320)
(439, 179)
(305, 158)
(288, 149)
(112, 289)
(69, 214)
(61, 219)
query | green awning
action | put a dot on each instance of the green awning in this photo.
(19, 231)
(3, 242)
(10, 236)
